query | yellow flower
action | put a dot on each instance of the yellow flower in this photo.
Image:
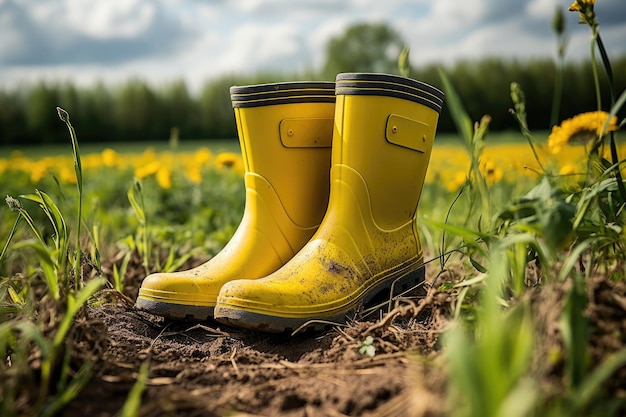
(164, 178)
(580, 129)
(576, 5)
(585, 11)
(491, 171)
(202, 156)
(110, 158)
(68, 175)
(147, 170)
(454, 183)
(572, 175)
(568, 169)
(38, 172)
(229, 160)
(194, 174)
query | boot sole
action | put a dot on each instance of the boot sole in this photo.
(175, 311)
(378, 296)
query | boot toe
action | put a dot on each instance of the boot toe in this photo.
(176, 296)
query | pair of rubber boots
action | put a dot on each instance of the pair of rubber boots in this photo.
(333, 176)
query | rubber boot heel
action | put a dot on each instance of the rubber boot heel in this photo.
(407, 285)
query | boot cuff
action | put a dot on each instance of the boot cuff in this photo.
(282, 93)
(390, 86)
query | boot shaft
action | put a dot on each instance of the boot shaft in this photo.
(384, 130)
(285, 133)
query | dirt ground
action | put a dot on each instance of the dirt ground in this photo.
(209, 369)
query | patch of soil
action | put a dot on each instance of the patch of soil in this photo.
(209, 369)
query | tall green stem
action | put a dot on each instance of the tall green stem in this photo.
(79, 185)
(594, 69)
(607, 66)
(613, 147)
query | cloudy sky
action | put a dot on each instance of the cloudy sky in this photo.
(161, 40)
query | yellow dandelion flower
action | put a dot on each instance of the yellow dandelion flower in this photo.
(194, 174)
(90, 161)
(568, 169)
(38, 172)
(67, 175)
(454, 183)
(571, 175)
(578, 5)
(491, 171)
(110, 158)
(202, 156)
(150, 168)
(145, 158)
(229, 160)
(580, 129)
(585, 10)
(164, 178)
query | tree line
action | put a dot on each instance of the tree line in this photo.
(138, 111)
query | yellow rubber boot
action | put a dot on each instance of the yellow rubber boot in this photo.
(285, 132)
(367, 243)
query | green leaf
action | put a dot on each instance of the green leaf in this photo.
(65, 117)
(469, 282)
(47, 263)
(118, 274)
(132, 405)
(74, 303)
(15, 297)
(27, 217)
(477, 265)
(404, 65)
(459, 115)
(57, 217)
(367, 347)
(467, 234)
(73, 389)
(594, 381)
(10, 238)
(32, 333)
(575, 329)
(141, 216)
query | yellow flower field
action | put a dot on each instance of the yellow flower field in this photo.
(161, 165)
(448, 166)
(504, 162)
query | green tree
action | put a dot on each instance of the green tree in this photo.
(218, 120)
(181, 110)
(12, 124)
(364, 47)
(97, 123)
(41, 117)
(138, 112)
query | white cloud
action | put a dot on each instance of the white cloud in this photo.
(261, 46)
(542, 9)
(110, 19)
(199, 39)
